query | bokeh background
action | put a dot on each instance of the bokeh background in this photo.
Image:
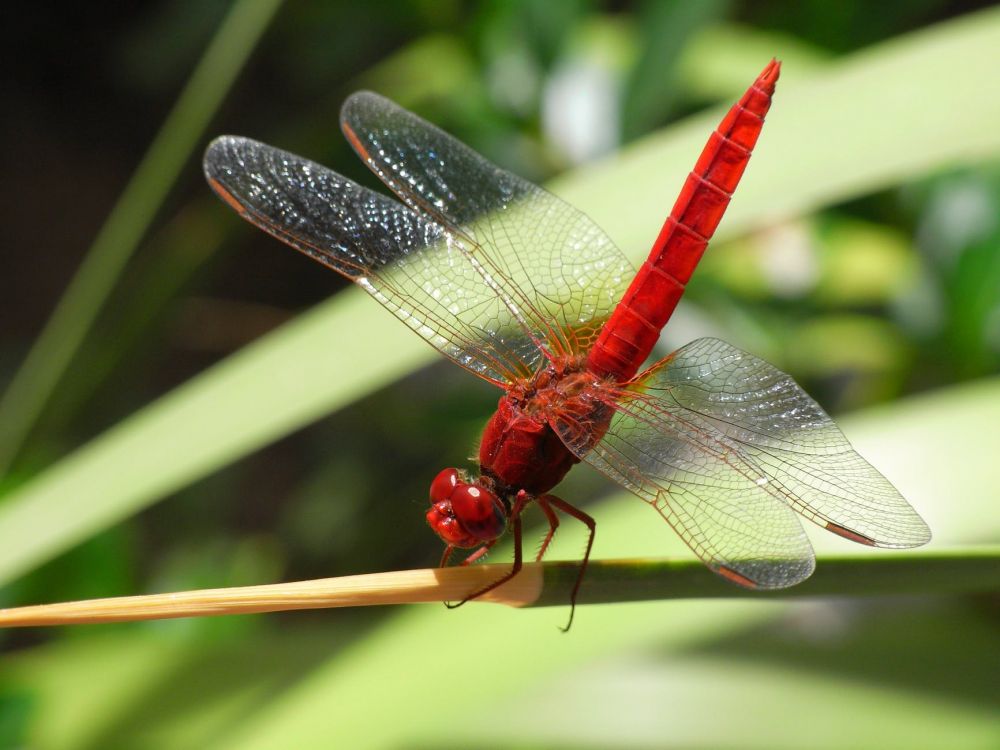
(189, 424)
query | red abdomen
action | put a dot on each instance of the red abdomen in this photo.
(522, 452)
(633, 329)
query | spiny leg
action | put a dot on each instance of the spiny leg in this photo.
(515, 520)
(479, 553)
(553, 520)
(589, 522)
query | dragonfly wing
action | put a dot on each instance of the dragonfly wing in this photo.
(758, 411)
(710, 495)
(412, 265)
(557, 271)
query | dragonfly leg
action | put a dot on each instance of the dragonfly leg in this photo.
(446, 555)
(515, 522)
(479, 553)
(553, 520)
(591, 525)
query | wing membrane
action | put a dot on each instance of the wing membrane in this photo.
(761, 412)
(555, 269)
(412, 265)
(725, 447)
(710, 495)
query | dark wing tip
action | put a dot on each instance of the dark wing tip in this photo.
(738, 578)
(846, 533)
(359, 108)
(222, 156)
(909, 530)
(360, 101)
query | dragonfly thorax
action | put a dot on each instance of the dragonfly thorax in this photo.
(559, 379)
(520, 450)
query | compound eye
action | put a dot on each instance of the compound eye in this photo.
(443, 485)
(479, 511)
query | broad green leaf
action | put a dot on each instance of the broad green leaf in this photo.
(882, 116)
(650, 694)
(919, 443)
(677, 702)
(151, 687)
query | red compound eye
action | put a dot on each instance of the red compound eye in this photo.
(463, 514)
(479, 511)
(443, 485)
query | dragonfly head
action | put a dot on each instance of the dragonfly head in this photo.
(465, 514)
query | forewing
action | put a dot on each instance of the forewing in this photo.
(710, 495)
(412, 265)
(556, 270)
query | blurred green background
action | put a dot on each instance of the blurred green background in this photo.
(181, 425)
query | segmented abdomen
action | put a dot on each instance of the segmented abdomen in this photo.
(632, 330)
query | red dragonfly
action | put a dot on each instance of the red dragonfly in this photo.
(529, 294)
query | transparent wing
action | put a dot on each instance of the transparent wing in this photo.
(711, 496)
(556, 270)
(756, 409)
(412, 265)
(718, 441)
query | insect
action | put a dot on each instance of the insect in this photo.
(526, 292)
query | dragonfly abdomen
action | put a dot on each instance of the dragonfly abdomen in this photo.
(634, 327)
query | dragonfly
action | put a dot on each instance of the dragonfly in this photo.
(526, 292)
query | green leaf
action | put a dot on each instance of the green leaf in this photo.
(916, 442)
(670, 700)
